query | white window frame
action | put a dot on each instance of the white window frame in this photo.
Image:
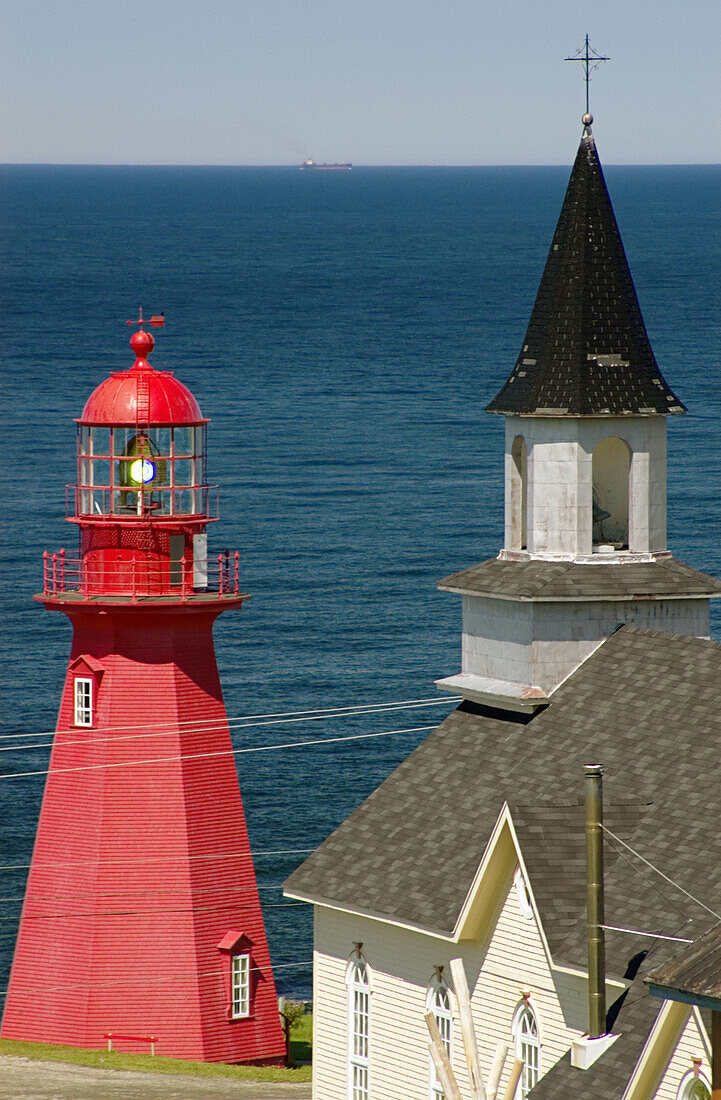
(83, 700)
(437, 990)
(687, 1082)
(523, 896)
(358, 983)
(527, 1046)
(239, 986)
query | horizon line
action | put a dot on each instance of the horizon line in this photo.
(355, 166)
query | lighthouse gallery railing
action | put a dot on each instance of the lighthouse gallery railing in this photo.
(139, 579)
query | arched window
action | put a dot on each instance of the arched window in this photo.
(611, 467)
(523, 897)
(519, 503)
(358, 1027)
(527, 1046)
(438, 1001)
(694, 1086)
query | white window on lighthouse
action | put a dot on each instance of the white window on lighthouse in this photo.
(240, 986)
(83, 701)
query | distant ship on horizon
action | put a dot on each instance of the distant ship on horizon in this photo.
(307, 164)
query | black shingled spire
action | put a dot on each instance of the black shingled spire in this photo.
(586, 351)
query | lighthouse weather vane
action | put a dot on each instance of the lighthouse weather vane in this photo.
(156, 321)
(590, 60)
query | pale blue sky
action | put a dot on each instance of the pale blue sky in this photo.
(370, 81)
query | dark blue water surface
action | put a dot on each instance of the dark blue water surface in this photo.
(344, 332)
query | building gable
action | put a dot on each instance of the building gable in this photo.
(676, 1039)
(508, 965)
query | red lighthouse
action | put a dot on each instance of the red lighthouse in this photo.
(141, 919)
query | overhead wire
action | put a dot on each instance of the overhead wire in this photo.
(145, 979)
(660, 872)
(156, 891)
(96, 914)
(208, 755)
(157, 859)
(250, 720)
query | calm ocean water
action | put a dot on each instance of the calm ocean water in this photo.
(344, 332)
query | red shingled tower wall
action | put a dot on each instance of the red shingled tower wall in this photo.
(142, 877)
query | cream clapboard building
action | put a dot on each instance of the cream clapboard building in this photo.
(584, 641)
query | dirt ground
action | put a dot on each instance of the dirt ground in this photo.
(26, 1079)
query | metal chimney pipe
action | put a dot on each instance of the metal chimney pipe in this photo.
(595, 907)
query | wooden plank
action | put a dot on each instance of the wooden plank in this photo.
(470, 1045)
(441, 1061)
(494, 1074)
(513, 1080)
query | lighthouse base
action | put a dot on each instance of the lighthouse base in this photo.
(141, 917)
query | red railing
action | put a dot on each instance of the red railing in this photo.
(141, 577)
(110, 1035)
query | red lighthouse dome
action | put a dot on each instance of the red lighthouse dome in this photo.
(141, 395)
(142, 499)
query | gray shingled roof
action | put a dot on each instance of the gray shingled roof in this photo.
(646, 706)
(607, 1078)
(586, 351)
(554, 580)
(631, 1018)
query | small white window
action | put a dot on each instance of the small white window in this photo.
(528, 1048)
(83, 701)
(522, 895)
(240, 985)
(694, 1086)
(358, 1029)
(438, 1001)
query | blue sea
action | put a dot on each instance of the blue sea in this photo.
(344, 331)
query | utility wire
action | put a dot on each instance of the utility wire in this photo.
(208, 755)
(221, 727)
(190, 975)
(159, 859)
(659, 872)
(191, 725)
(157, 891)
(97, 913)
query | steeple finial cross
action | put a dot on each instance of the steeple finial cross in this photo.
(591, 60)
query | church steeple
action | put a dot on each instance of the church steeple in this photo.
(585, 476)
(586, 350)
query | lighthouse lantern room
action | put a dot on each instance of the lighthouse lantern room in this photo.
(141, 924)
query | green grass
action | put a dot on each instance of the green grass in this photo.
(301, 1040)
(144, 1063)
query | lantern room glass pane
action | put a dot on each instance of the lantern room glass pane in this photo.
(100, 441)
(183, 440)
(184, 471)
(160, 438)
(185, 501)
(99, 473)
(121, 439)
